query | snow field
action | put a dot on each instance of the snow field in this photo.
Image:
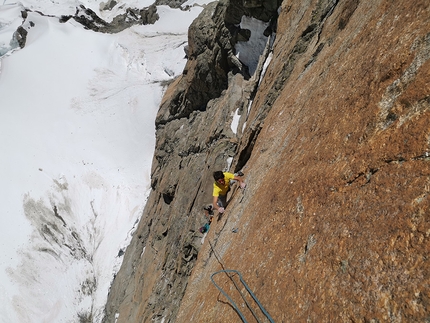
(77, 135)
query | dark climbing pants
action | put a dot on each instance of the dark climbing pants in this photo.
(222, 201)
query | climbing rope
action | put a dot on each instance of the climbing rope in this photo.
(243, 297)
(248, 290)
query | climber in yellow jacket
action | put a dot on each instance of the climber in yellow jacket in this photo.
(222, 183)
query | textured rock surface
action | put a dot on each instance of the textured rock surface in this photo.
(334, 223)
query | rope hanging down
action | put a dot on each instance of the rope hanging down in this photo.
(248, 290)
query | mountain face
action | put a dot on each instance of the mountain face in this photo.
(334, 141)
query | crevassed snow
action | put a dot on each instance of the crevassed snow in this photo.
(77, 134)
(10, 20)
(68, 7)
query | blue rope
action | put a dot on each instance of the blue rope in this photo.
(247, 288)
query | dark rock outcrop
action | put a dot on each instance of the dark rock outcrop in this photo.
(334, 224)
(21, 36)
(170, 3)
(133, 16)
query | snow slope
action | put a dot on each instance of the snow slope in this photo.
(77, 112)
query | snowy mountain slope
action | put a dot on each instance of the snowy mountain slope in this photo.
(77, 113)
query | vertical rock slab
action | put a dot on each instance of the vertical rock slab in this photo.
(334, 223)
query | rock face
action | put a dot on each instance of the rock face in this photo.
(334, 223)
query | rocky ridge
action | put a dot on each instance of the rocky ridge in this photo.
(334, 223)
(133, 16)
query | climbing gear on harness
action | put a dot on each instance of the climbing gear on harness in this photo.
(204, 228)
(208, 208)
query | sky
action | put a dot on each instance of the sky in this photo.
(77, 135)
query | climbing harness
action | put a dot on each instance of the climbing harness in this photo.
(248, 290)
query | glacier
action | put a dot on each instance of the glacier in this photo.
(77, 135)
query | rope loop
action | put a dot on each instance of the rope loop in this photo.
(248, 290)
